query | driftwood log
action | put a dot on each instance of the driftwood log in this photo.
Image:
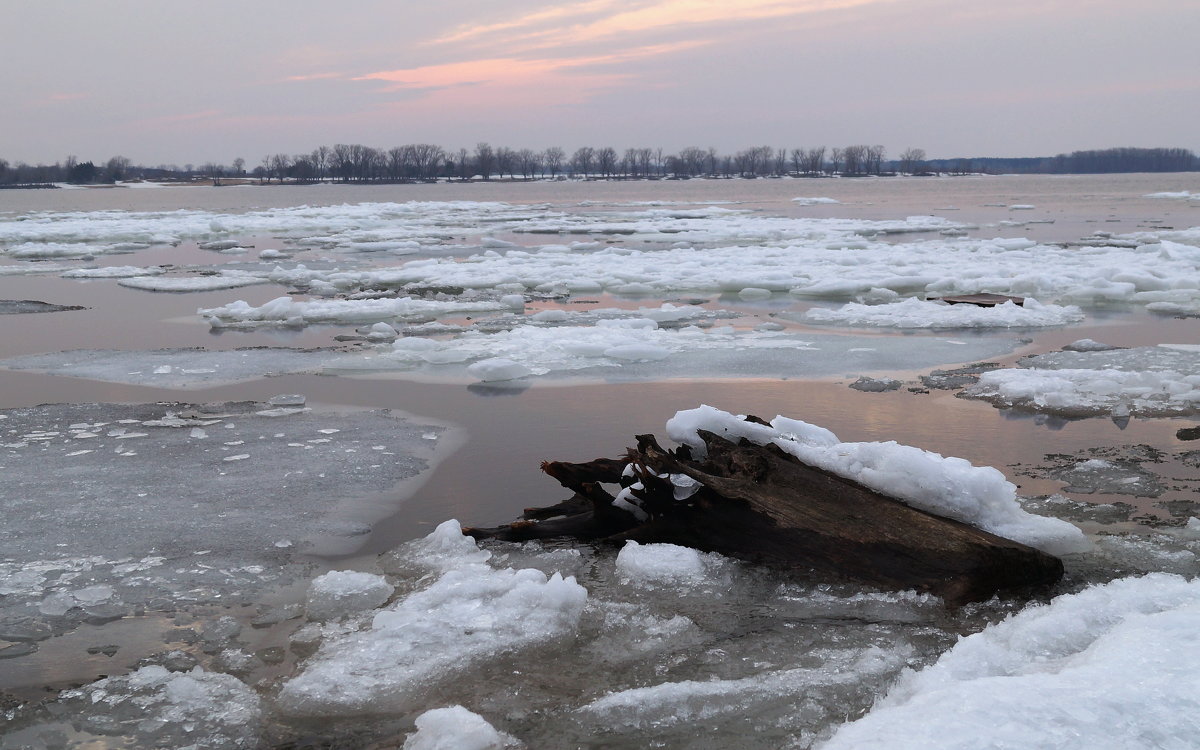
(761, 504)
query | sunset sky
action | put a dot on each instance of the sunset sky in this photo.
(190, 82)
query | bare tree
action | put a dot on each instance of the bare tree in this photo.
(239, 166)
(506, 161)
(814, 161)
(552, 159)
(606, 161)
(835, 160)
(581, 161)
(485, 160)
(912, 160)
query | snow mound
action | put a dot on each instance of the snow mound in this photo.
(665, 565)
(456, 728)
(1116, 665)
(947, 486)
(341, 593)
(470, 613)
(154, 707)
(915, 313)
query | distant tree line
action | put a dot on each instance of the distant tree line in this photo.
(423, 162)
(1105, 161)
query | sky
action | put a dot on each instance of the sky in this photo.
(178, 82)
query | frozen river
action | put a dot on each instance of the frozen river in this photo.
(263, 384)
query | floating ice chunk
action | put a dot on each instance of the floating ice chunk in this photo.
(190, 283)
(672, 703)
(497, 369)
(754, 293)
(111, 272)
(951, 487)
(915, 313)
(664, 564)
(1115, 665)
(153, 707)
(456, 728)
(637, 352)
(469, 614)
(443, 549)
(815, 201)
(1087, 345)
(1175, 195)
(1143, 381)
(341, 593)
(549, 316)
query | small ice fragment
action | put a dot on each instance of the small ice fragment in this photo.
(238, 457)
(93, 594)
(198, 433)
(287, 399)
(162, 370)
(456, 727)
(498, 368)
(341, 593)
(328, 431)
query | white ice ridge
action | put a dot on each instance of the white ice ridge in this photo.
(821, 264)
(947, 486)
(611, 343)
(287, 311)
(915, 313)
(222, 280)
(471, 612)
(111, 272)
(456, 728)
(671, 703)
(1148, 381)
(1114, 666)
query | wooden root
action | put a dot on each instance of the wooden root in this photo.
(761, 504)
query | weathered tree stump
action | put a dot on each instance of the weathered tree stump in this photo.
(761, 504)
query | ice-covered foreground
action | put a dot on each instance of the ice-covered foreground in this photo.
(1116, 665)
(1147, 381)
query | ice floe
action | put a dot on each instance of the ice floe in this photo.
(118, 508)
(947, 486)
(1112, 666)
(470, 613)
(1148, 381)
(456, 728)
(915, 313)
(154, 707)
(206, 283)
(290, 312)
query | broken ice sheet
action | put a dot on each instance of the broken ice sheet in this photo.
(1146, 381)
(174, 522)
(174, 368)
